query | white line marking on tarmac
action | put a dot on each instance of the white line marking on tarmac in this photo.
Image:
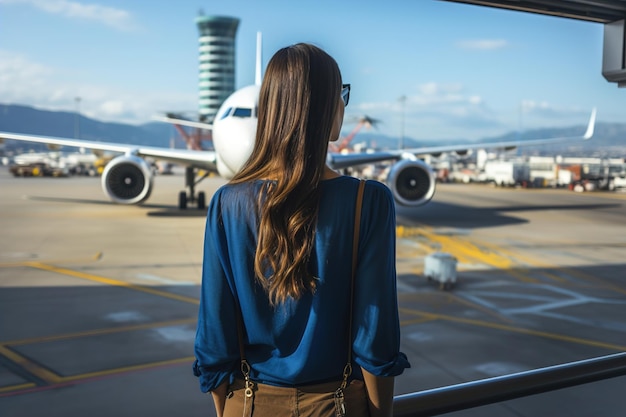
(166, 281)
(420, 337)
(499, 368)
(176, 334)
(126, 316)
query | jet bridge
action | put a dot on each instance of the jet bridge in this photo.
(610, 13)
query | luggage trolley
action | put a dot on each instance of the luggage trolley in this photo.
(441, 267)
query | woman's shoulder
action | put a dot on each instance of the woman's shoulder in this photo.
(345, 182)
(230, 189)
(346, 185)
(229, 194)
(377, 187)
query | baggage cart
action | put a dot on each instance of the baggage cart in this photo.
(441, 267)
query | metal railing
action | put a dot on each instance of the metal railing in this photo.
(507, 387)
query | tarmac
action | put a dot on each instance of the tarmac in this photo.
(98, 301)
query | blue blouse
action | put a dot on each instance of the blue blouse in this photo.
(302, 341)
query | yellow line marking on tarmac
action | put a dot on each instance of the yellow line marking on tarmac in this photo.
(466, 251)
(17, 387)
(109, 281)
(538, 333)
(498, 257)
(567, 270)
(93, 258)
(97, 332)
(189, 359)
(33, 368)
(107, 372)
(416, 321)
(527, 260)
(53, 378)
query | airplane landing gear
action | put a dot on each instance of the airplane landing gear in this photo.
(190, 183)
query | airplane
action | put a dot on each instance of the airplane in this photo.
(128, 178)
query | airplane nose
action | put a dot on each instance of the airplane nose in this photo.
(233, 139)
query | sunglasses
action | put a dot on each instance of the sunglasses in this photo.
(345, 94)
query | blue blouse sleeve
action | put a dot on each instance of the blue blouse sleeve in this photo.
(376, 322)
(216, 344)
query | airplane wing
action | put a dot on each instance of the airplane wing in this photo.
(339, 161)
(200, 159)
(183, 122)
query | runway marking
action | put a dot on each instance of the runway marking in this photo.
(455, 298)
(567, 270)
(164, 281)
(33, 368)
(522, 330)
(93, 258)
(17, 387)
(92, 376)
(471, 252)
(97, 332)
(126, 369)
(466, 251)
(55, 380)
(480, 307)
(415, 321)
(109, 281)
(526, 260)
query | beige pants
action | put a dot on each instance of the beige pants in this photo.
(307, 401)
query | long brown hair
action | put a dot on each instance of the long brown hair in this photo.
(297, 105)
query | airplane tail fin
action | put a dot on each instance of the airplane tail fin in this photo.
(590, 127)
(259, 58)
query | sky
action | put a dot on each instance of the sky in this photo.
(464, 71)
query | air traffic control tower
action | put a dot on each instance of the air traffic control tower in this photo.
(217, 62)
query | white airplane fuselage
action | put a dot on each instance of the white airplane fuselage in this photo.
(234, 130)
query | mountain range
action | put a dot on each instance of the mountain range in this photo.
(609, 139)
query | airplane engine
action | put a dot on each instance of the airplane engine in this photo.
(127, 180)
(412, 182)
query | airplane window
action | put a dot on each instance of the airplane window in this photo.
(226, 113)
(242, 112)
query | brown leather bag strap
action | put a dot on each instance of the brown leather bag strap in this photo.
(347, 371)
(242, 351)
(250, 386)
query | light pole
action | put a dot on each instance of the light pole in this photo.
(402, 100)
(77, 118)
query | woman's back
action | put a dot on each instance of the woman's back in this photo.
(305, 341)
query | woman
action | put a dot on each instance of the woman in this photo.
(277, 260)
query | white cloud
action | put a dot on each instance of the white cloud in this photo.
(436, 110)
(550, 111)
(450, 111)
(18, 74)
(529, 106)
(443, 95)
(483, 44)
(25, 82)
(113, 107)
(115, 18)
